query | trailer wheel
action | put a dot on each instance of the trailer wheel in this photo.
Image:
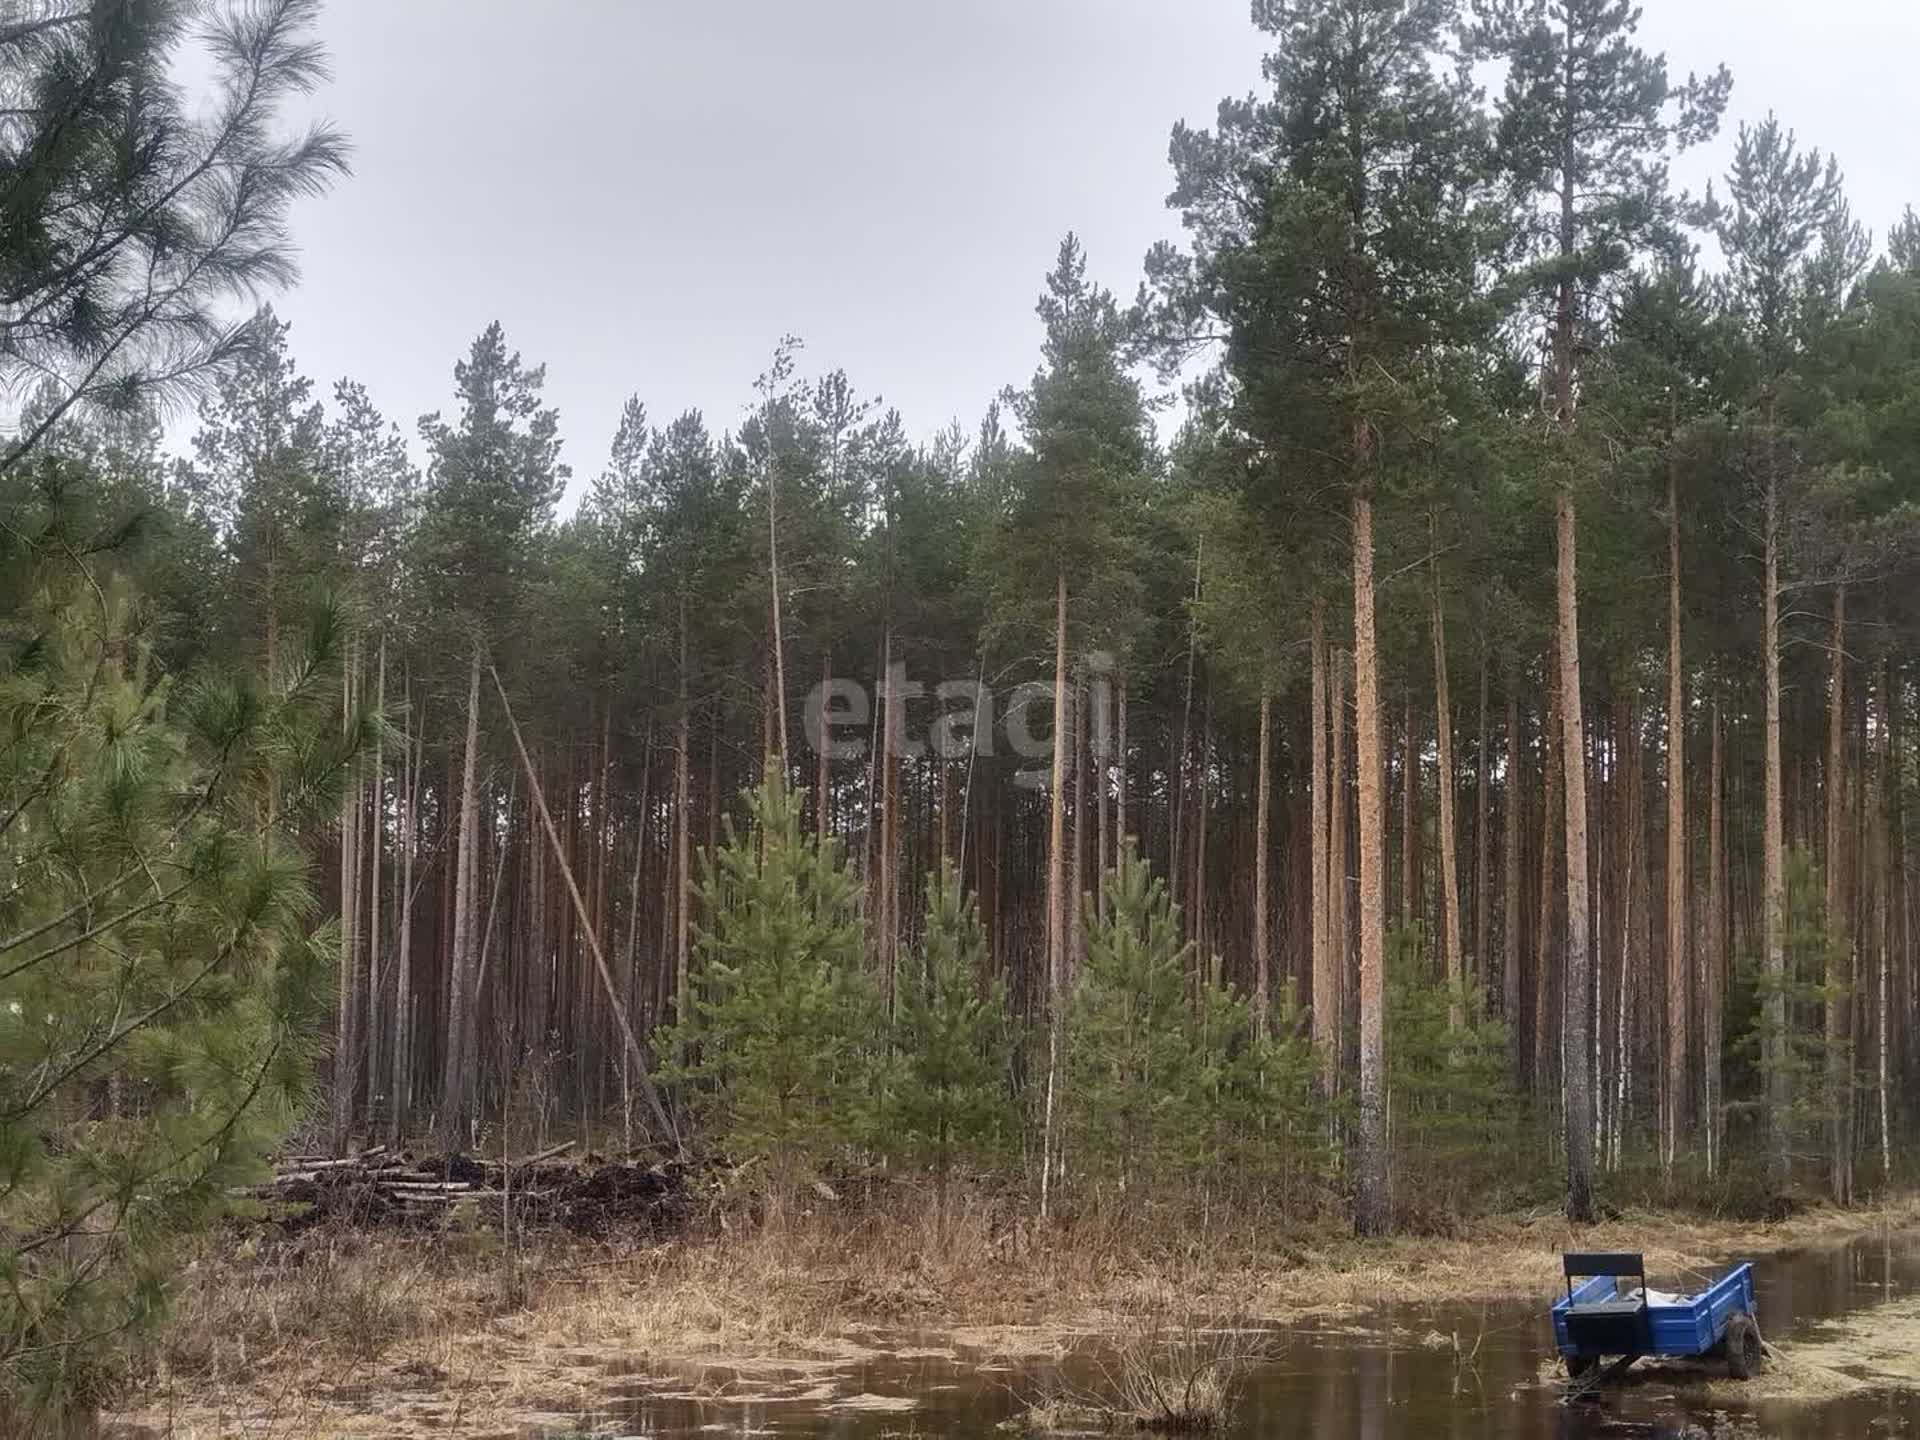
(1746, 1354)
(1578, 1365)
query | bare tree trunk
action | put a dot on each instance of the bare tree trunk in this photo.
(1203, 952)
(374, 1035)
(1548, 970)
(346, 1068)
(1839, 978)
(1510, 992)
(682, 840)
(1076, 883)
(1177, 768)
(1678, 968)
(1371, 1197)
(779, 677)
(1882, 913)
(1262, 963)
(1121, 789)
(1409, 816)
(459, 1082)
(1774, 862)
(1101, 719)
(1483, 843)
(1715, 951)
(1326, 982)
(893, 739)
(1577, 1003)
(822, 805)
(411, 766)
(1339, 884)
(1443, 731)
(1056, 893)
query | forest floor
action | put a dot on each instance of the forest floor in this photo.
(348, 1332)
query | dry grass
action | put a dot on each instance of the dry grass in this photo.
(349, 1335)
(1174, 1375)
(1520, 1256)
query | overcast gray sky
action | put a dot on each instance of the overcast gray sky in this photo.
(648, 193)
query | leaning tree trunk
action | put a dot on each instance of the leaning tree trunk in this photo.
(1056, 895)
(1677, 961)
(1443, 731)
(1839, 977)
(1371, 1213)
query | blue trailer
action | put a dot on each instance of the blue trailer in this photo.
(1609, 1319)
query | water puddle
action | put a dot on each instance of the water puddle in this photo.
(1847, 1320)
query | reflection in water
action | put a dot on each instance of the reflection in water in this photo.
(1454, 1372)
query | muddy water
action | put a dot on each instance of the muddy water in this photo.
(1400, 1372)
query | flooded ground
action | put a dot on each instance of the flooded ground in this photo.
(1395, 1372)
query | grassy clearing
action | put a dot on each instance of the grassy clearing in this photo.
(347, 1334)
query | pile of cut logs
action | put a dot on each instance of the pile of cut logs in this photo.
(383, 1186)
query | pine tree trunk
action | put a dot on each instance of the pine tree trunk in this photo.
(1549, 972)
(1713, 990)
(1511, 995)
(1056, 895)
(1839, 977)
(1177, 769)
(1262, 963)
(462, 1061)
(373, 1030)
(1371, 1197)
(1577, 1002)
(1409, 816)
(1103, 779)
(1882, 918)
(682, 839)
(1121, 788)
(1326, 982)
(1339, 883)
(1076, 883)
(1483, 842)
(346, 1036)
(1443, 731)
(894, 738)
(823, 805)
(1678, 967)
(413, 763)
(1203, 952)
(778, 700)
(1774, 861)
